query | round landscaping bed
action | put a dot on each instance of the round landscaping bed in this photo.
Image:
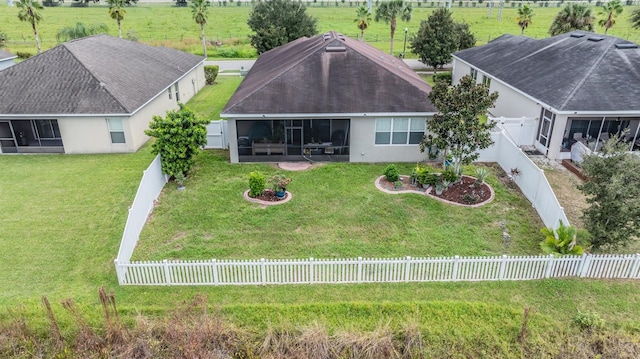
(268, 198)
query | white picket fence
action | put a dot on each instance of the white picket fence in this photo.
(361, 270)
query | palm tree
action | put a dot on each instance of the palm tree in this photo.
(388, 11)
(363, 18)
(635, 19)
(80, 30)
(525, 15)
(117, 12)
(199, 12)
(29, 13)
(562, 241)
(610, 10)
(572, 17)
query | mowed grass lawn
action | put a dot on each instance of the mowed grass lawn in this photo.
(166, 25)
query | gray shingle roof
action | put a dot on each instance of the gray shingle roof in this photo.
(4, 55)
(329, 73)
(569, 72)
(93, 75)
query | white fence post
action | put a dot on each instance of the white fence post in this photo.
(311, 270)
(263, 271)
(454, 272)
(359, 269)
(407, 268)
(584, 265)
(167, 272)
(549, 267)
(503, 267)
(214, 268)
(634, 268)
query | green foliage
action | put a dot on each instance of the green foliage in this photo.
(117, 12)
(80, 30)
(211, 73)
(362, 20)
(179, 138)
(562, 241)
(613, 216)
(635, 19)
(428, 179)
(3, 39)
(389, 11)
(573, 17)
(257, 183)
(29, 12)
(443, 76)
(438, 37)
(279, 182)
(277, 22)
(449, 175)
(525, 17)
(199, 9)
(391, 173)
(481, 175)
(457, 127)
(23, 55)
(588, 321)
(610, 10)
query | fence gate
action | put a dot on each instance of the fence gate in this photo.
(217, 134)
(521, 130)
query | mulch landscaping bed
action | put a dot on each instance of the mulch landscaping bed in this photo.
(463, 192)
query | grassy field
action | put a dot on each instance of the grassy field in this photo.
(211, 99)
(162, 24)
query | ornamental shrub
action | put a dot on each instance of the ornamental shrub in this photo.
(211, 73)
(257, 183)
(391, 173)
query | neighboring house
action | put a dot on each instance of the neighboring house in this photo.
(7, 59)
(581, 86)
(328, 98)
(92, 95)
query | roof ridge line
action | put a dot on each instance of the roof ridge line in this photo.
(593, 67)
(104, 87)
(538, 51)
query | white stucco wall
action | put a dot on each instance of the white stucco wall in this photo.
(233, 141)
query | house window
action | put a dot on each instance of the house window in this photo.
(486, 81)
(474, 73)
(47, 129)
(169, 92)
(116, 130)
(399, 131)
(177, 92)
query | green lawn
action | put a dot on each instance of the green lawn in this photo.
(211, 99)
(162, 24)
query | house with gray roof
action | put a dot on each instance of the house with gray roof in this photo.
(6, 59)
(92, 95)
(328, 98)
(582, 87)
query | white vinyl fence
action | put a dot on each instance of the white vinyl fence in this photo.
(217, 134)
(359, 270)
(522, 131)
(153, 180)
(531, 181)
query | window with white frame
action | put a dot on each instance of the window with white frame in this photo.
(486, 80)
(474, 73)
(399, 131)
(177, 92)
(116, 130)
(169, 92)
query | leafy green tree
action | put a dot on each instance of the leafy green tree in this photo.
(363, 19)
(457, 128)
(613, 195)
(117, 12)
(3, 39)
(635, 19)
(610, 10)
(80, 30)
(277, 22)
(438, 37)
(179, 138)
(562, 241)
(572, 17)
(388, 11)
(199, 10)
(29, 12)
(525, 18)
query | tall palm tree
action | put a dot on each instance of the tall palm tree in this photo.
(525, 18)
(29, 13)
(362, 20)
(117, 12)
(610, 10)
(388, 11)
(635, 19)
(199, 10)
(572, 17)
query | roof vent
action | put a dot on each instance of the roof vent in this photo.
(326, 36)
(627, 46)
(595, 38)
(335, 49)
(577, 35)
(341, 37)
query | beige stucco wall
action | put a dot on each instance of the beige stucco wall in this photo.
(91, 134)
(233, 141)
(363, 147)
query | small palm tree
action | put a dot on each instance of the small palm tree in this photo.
(562, 241)
(610, 10)
(525, 15)
(117, 12)
(362, 20)
(29, 13)
(199, 10)
(572, 17)
(388, 11)
(80, 30)
(635, 19)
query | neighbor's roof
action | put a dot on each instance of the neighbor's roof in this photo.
(4, 55)
(575, 71)
(93, 75)
(329, 74)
